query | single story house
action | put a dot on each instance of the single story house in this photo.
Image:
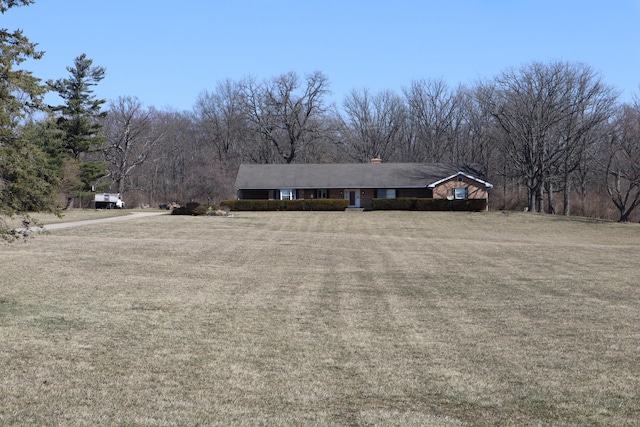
(360, 183)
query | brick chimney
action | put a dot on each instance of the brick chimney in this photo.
(376, 160)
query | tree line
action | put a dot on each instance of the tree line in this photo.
(552, 137)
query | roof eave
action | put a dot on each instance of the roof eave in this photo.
(435, 184)
(320, 187)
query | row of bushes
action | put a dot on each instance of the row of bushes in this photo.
(287, 205)
(406, 204)
(194, 209)
(415, 204)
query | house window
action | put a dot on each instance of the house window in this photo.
(460, 193)
(287, 194)
(321, 194)
(386, 193)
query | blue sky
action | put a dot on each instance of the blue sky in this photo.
(166, 53)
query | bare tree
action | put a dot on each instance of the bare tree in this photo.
(623, 163)
(585, 177)
(588, 105)
(528, 106)
(132, 132)
(435, 115)
(286, 114)
(372, 125)
(481, 144)
(221, 120)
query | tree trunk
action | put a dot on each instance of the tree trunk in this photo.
(540, 199)
(566, 197)
(120, 183)
(550, 208)
(532, 200)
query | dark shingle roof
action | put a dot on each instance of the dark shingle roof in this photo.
(346, 175)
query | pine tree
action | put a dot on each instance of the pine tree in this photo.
(79, 121)
(79, 115)
(26, 183)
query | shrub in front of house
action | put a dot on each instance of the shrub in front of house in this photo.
(286, 205)
(415, 204)
(469, 205)
(194, 209)
(324, 204)
(401, 204)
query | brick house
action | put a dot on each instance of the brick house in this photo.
(360, 183)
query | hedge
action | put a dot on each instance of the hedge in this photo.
(287, 205)
(416, 204)
(194, 209)
(407, 204)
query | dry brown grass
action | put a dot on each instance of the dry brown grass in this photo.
(81, 215)
(70, 215)
(381, 318)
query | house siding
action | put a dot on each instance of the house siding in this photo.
(305, 194)
(335, 193)
(474, 190)
(421, 193)
(366, 196)
(255, 194)
(308, 193)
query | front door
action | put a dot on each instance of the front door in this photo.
(353, 196)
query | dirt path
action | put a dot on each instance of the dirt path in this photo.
(133, 215)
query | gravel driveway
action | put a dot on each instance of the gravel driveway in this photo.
(133, 215)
